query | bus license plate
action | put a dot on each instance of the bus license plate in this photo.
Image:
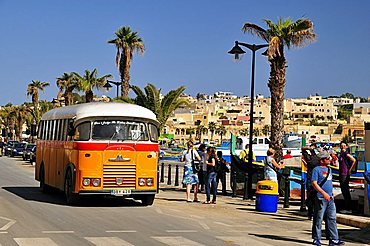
(120, 192)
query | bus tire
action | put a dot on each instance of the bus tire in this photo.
(71, 198)
(147, 200)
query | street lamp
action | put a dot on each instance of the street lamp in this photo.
(108, 85)
(238, 52)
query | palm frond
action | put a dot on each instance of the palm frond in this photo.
(255, 30)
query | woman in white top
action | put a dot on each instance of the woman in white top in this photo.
(190, 178)
(271, 166)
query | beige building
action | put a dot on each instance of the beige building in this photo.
(232, 113)
(311, 108)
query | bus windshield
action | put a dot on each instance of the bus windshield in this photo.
(119, 130)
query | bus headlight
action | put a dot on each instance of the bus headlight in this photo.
(149, 181)
(96, 182)
(141, 182)
(86, 181)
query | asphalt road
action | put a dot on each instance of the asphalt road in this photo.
(29, 217)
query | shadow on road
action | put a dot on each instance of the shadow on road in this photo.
(282, 238)
(57, 197)
(172, 199)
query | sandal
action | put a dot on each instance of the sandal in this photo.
(207, 202)
(196, 200)
(213, 202)
(189, 201)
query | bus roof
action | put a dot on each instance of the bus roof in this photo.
(99, 109)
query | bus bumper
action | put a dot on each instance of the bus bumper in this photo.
(110, 193)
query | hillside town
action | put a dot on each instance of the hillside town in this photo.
(319, 119)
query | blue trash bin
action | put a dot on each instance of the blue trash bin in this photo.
(267, 196)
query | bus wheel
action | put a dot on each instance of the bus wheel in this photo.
(44, 187)
(71, 198)
(147, 200)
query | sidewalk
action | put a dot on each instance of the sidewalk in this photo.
(294, 206)
(361, 235)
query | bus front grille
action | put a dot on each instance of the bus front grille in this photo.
(119, 176)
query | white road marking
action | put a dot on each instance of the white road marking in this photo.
(204, 225)
(35, 242)
(242, 241)
(120, 231)
(111, 241)
(223, 224)
(9, 224)
(179, 231)
(57, 232)
(3, 232)
(196, 216)
(175, 241)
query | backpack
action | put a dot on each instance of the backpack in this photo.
(312, 160)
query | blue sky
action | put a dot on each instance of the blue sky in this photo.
(186, 44)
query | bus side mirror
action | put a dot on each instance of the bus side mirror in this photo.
(71, 130)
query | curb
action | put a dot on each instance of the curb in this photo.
(355, 222)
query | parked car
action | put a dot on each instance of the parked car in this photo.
(9, 147)
(27, 151)
(33, 155)
(17, 149)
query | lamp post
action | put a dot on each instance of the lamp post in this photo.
(238, 52)
(108, 85)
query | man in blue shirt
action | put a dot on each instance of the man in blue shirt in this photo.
(324, 202)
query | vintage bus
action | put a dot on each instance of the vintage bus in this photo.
(99, 149)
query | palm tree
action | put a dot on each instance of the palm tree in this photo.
(20, 113)
(199, 131)
(33, 90)
(256, 132)
(221, 130)
(283, 33)
(212, 128)
(244, 132)
(126, 42)
(66, 84)
(190, 131)
(8, 118)
(162, 107)
(90, 81)
(266, 130)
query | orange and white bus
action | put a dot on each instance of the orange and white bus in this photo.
(99, 149)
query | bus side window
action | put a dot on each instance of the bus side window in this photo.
(82, 132)
(153, 133)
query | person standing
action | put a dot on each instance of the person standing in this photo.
(222, 169)
(190, 178)
(346, 163)
(1, 146)
(310, 160)
(202, 174)
(324, 202)
(244, 154)
(334, 158)
(271, 166)
(211, 176)
(288, 154)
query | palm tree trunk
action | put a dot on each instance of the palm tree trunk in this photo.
(125, 64)
(89, 96)
(68, 98)
(277, 86)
